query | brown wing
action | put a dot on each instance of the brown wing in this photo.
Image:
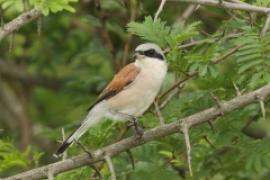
(123, 78)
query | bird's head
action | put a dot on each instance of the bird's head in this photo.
(149, 51)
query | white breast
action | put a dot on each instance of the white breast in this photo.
(136, 98)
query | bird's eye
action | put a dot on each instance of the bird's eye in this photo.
(150, 52)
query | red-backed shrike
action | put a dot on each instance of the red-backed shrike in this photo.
(130, 93)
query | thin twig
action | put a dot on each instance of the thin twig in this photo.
(188, 12)
(63, 139)
(133, 5)
(188, 148)
(209, 142)
(130, 156)
(121, 134)
(158, 112)
(235, 6)
(39, 26)
(108, 40)
(266, 25)
(238, 92)
(111, 167)
(119, 137)
(263, 109)
(176, 84)
(12, 42)
(171, 95)
(18, 22)
(215, 39)
(160, 8)
(262, 106)
(97, 172)
(227, 54)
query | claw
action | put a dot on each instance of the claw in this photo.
(87, 151)
(137, 128)
(139, 131)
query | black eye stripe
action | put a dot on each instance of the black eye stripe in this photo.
(151, 53)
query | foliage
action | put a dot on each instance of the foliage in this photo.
(82, 51)
(12, 158)
(255, 53)
(46, 6)
(149, 30)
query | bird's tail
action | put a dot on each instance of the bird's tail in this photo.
(89, 121)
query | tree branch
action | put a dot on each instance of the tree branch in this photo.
(111, 167)
(158, 113)
(160, 8)
(188, 147)
(266, 25)
(11, 71)
(228, 5)
(227, 54)
(152, 134)
(18, 22)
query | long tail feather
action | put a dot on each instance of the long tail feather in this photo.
(91, 119)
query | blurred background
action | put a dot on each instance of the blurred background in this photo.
(53, 68)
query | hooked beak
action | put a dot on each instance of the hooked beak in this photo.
(138, 55)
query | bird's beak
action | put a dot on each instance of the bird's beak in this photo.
(138, 55)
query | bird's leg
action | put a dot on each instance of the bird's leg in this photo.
(135, 124)
(87, 151)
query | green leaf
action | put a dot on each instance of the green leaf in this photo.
(157, 32)
(167, 154)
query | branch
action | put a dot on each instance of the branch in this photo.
(158, 113)
(133, 14)
(188, 12)
(227, 54)
(111, 167)
(18, 22)
(152, 134)
(228, 5)
(160, 8)
(176, 84)
(11, 71)
(209, 41)
(266, 25)
(171, 95)
(188, 147)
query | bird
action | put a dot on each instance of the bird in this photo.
(129, 94)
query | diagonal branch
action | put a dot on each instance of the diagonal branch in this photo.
(160, 8)
(227, 54)
(228, 5)
(18, 22)
(152, 134)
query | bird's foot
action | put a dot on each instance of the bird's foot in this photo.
(137, 128)
(87, 151)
